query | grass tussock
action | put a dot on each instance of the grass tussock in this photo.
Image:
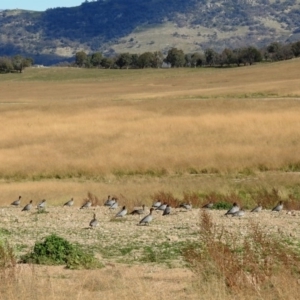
(248, 266)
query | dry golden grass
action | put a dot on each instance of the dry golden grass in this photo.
(117, 281)
(109, 121)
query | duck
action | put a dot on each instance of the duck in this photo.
(208, 205)
(27, 206)
(17, 202)
(157, 204)
(138, 211)
(122, 212)
(69, 203)
(114, 205)
(42, 204)
(87, 204)
(278, 207)
(167, 210)
(233, 209)
(162, 206)
(94, 222)
(257, 208)
(109, 201)
(239, 213)
(187, 206)
(148, 218)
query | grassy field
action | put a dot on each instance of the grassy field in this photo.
(132, 134)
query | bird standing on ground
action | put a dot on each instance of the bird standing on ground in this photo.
(87, 204)
(28, 206)
(122, 212)
(17, 202)
(94, 222)
(208, 205)
(258, 208)
(69, 203)
(233, 209)
(239, 213)
(138, 211)
(108, 202)
(148, 218)
(114, 205)
(156, 204)
(187, 206)
(42, 205)
(278, 207)
(167, 210)
(162, 206)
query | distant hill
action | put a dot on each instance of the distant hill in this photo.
(137, 26)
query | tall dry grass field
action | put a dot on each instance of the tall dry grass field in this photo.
(58, 122)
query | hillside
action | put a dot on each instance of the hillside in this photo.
(138, 26)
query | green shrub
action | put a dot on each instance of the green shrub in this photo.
(55, 250)
(222, 205)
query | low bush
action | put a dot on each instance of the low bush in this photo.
(55, 250)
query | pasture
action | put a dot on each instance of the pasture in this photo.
(190, 133)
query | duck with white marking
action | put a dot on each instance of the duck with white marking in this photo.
(138, 211)
(94, 222)
(167, 210)
(69, 203)
(42, 205)
(233, 209)
(17, 202)
(257, 208)
(162, 206)
(122, 212)
(146, 220)
(239, 213)
(87, 204)
(208, 205)
(28, 206)
(278, 207)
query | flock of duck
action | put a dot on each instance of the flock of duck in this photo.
(112, 203)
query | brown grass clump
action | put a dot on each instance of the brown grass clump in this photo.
(251, 265)
(291, 203)
(165, 197)
(93, 198)
(268, 199)
(192, 198)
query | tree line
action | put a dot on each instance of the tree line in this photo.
(177, 58)
(14, 64)
(174, 58)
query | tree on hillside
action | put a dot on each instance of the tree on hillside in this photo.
(6, 65)
(81, 58)
(211, 57)
(134, 61)
(96, 59)
(124, 60)
(175, 57)
(107, 62)
(146, 60)
(158, 59)
(16, 63)
(227, 57)
(296, 48)
(249, 55)
(197, 60)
